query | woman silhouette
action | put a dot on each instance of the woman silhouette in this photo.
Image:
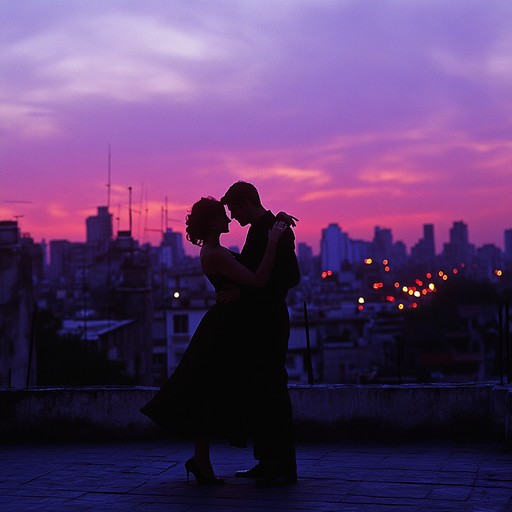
(204, 396)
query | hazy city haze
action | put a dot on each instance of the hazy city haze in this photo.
(358, 112)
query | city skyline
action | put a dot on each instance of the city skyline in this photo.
(193, 250)
(362, 113)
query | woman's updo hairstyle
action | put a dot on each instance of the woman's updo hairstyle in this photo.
(199, 219)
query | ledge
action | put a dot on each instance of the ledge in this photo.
(321, 412)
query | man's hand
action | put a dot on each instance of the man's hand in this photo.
(230, 293)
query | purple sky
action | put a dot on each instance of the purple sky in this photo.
(390, 113)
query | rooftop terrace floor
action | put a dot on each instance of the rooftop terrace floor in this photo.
(348, 476)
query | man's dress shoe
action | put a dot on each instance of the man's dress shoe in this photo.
(257, 471)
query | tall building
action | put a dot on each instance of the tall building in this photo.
(171, 249)
(458, 251)
(424, 252)
(334, 248)
(382, 244)
(99, 228)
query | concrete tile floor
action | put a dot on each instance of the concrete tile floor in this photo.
(348, 477)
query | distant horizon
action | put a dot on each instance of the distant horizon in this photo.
(192, 250)
(360, 112)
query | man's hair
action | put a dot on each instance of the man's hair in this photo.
(241, 191)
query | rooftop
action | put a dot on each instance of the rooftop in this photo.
(365, 476)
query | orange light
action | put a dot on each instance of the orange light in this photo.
(440, 273)
(324, 275)
(498, 272)
(386, 269)
(377, 286)
(368, 261)
(400, 306)
(385, 262)
(445, 277)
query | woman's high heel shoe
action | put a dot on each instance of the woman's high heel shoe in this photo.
(191, 466)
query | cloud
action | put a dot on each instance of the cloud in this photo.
(57, 211)
(399, 176)
(293, 174)
(340, 193)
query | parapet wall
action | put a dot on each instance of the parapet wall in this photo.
(479, 411)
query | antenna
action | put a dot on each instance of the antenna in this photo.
(130, 206)
(108, 184)
(166, 214)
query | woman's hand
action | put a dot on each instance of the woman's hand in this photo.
(285, 217)
(275, 233)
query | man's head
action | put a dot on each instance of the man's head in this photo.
(243, 202)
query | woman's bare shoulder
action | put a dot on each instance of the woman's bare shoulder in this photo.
(214, 257)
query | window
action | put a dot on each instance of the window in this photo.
(180, 324)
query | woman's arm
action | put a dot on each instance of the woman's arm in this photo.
(222, 262)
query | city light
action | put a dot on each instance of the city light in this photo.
(176, 295)
(368, 261)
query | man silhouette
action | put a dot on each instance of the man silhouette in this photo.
(266, 340)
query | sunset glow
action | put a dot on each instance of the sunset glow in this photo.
(359, 112)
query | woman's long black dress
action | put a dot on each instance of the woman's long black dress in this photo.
(205, 394)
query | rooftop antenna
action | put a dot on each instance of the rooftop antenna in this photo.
(109, 183)
(130, 206)
(166, 215)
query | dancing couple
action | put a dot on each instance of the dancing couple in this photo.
(232, 380)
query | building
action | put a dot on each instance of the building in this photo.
(458, 251)
(99, 228)
(334, 248)
(172, 253)
(424, 252)
(17, 306)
